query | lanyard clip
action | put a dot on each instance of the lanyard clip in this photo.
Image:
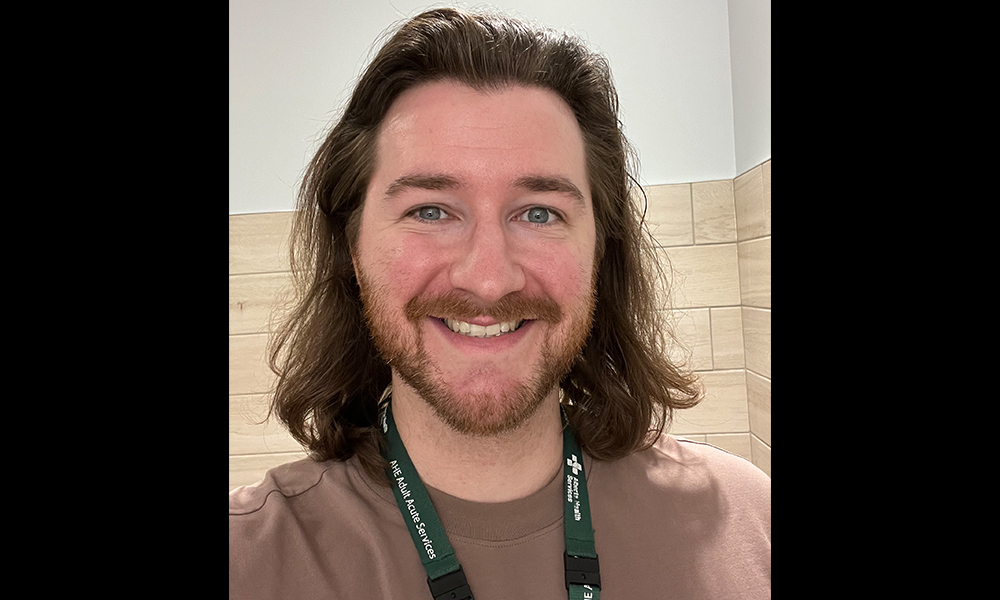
(582, 570)
(451, 586)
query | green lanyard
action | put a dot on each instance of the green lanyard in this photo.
(444, 575)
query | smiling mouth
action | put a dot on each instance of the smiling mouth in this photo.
(480, 331)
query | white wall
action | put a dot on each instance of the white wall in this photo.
(292, 66)
(750, 49)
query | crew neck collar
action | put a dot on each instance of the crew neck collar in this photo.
(494, 521)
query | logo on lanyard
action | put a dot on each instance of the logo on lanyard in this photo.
(577, 467)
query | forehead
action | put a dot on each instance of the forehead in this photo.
(448, 127)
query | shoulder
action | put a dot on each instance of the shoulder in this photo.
(282, 482)
(679, 468)
(732, 477)
(731, 469)
(707, 509)
(285, 528)
(308, 484)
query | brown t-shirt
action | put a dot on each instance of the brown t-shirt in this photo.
(680, 520)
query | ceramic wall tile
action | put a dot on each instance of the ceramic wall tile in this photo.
(734, 443)
(757, 340)
(252, 299)
(703, 276)
(693, 345)
(723, 410)
(251, 433)
(760, 454)
(258, 243)
(766, 176)
(755, 272)
(714, 212)
(748, 190)
(759, 401)
(727, 338)
(668, 213)
(248, 370)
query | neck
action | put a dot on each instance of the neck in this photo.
(500, 468)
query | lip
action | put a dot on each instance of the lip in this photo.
(484, 321)
(484, 328)
(482, 345)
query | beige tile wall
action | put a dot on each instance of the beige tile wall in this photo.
(716, 236)
(753, 217)
(258, 276)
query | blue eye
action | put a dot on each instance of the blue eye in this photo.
(538, 215)
(430, 213)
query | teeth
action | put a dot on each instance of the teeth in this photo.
(497, 329)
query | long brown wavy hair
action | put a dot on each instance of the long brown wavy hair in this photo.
(622, 390)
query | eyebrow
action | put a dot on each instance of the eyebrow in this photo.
(421, 182)
(532, 183)
(541, 183)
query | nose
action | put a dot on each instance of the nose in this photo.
(486, 265)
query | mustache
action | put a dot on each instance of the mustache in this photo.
(512, 307)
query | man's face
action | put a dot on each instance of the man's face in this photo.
(475, 253)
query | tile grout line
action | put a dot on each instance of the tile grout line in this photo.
(762, 442)
(739, 279)
(762, 376)
(734, 370)
(284, 272)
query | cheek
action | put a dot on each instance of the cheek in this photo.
(566, 275)
(402, 267)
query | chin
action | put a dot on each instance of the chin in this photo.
(491, 411)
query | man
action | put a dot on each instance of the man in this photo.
(476, 362)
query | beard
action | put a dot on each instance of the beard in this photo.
(491, 413)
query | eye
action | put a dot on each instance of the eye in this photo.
(538, 214)
(430, 213)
